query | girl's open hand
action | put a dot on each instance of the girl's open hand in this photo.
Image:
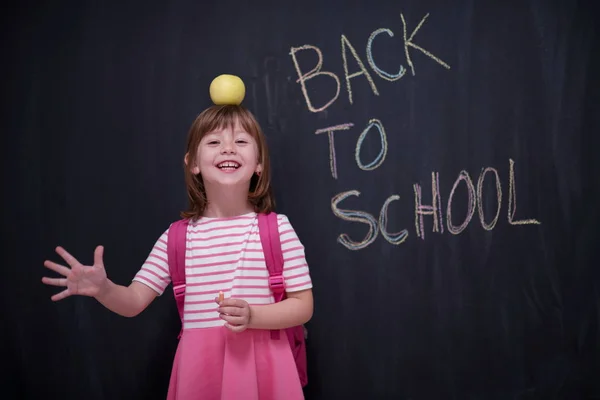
(236, 314)
(80, 279)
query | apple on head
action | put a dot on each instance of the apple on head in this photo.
(227, 89)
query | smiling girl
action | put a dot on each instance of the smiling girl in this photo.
(226, 350)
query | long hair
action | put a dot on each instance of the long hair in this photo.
(220, 117)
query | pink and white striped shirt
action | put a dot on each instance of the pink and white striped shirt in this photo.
(225, 254)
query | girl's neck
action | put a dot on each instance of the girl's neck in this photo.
(230, 202)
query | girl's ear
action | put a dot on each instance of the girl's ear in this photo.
(258, 169)
(195, 170)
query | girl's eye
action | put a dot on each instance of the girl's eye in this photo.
(213, 142)
(242, 141)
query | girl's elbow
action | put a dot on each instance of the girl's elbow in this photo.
(304, 307)
(308, 312)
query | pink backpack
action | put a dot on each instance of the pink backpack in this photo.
(269, 236)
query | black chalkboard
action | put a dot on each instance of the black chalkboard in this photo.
(437, 159)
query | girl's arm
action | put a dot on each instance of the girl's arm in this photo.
(127, 301)
(296, 309)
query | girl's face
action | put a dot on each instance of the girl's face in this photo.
(227, 157)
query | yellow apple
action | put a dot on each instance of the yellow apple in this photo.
(227, 89)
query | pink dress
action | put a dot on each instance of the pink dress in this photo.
(217, 364)
(211, 362)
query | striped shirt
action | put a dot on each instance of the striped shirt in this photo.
(225, 254)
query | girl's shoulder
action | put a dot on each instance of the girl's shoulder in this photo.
(282, 220)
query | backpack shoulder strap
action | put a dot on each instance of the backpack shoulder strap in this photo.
(269, 237)
(271, 244)
(176, 245)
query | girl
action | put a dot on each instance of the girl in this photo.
(226, 350)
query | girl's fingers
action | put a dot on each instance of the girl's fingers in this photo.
(235, 328)
(61, 269)
(98, 256)
(59, 296)
(232, 319)
(233, 303)
(55, 281)
(72, 261)
(230, 310)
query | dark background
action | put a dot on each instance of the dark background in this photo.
(97, 101)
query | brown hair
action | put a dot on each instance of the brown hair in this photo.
(219, 117)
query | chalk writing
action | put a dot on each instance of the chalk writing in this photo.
(512, 200)
(345, 46)
(357, 216)
(375, 225)
(393, 238)
(491, 225)
(434, 209)
(463, 176)
(363, 70)
(316, 71)
(382, 153)
(382, 74)
(409, 43)
(342, 127)
(329, 131)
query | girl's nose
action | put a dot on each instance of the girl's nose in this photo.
(227, 147)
